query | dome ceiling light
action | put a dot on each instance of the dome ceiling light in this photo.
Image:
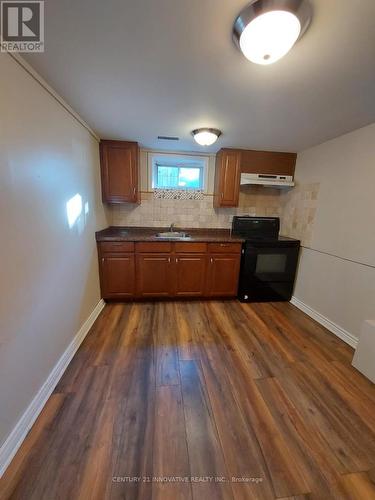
(266, 30)
(206, 136)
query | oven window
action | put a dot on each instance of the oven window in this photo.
(271, 263)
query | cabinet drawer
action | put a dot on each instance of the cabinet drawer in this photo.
(116, 246)
(153, 247)
(190, 247)
(225, 247)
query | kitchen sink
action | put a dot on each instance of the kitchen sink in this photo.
(173, 235)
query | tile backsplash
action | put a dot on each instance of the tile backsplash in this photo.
(158, 212)
(296, 208)
(299, 206)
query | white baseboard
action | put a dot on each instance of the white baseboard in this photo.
(327, 323)
(24, 424)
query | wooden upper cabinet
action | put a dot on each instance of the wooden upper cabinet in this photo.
(119, 162)
(230, 163)
(227, 178)
(268, 162)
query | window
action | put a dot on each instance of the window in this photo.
(178, 177)
(178, 172)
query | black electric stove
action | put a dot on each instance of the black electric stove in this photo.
(269, 261)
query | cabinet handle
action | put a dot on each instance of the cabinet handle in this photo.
(222, 195)
(102, 260)
(134, 191)
(176, 259)
(169, 260)
(212, 260)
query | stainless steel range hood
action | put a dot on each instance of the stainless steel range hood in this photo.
(267, 180)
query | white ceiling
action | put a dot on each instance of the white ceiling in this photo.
(136, 69)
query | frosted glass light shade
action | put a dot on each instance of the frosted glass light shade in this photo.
(266, 30)
(270, 36)
(206, 136)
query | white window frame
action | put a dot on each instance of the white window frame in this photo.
(177, 159)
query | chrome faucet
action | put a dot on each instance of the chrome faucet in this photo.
(171, 228)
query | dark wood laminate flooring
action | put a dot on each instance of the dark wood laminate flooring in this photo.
(203, 400)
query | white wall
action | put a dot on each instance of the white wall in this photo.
(341, 286)
(49, 277)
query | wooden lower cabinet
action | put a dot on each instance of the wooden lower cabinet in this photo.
(117, 276)
(223, 273)
(190, 275)
(160, 270)
(154, 275)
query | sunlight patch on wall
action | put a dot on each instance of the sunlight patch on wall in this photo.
(74, 209)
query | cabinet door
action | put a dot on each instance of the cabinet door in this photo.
(223, 274)
(190, 275)
(154, 275)
(227, 178)
(119, 171)
(117, 273)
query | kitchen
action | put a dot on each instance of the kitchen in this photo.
(205, 262)
(187, 274)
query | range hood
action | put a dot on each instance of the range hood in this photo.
(267, 180)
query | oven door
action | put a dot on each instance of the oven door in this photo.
(263, 263)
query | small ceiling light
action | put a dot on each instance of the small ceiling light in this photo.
(266, 30)
(206, 136)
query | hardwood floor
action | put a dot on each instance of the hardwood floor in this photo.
(203, 400)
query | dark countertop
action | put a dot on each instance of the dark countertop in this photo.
(119, 233)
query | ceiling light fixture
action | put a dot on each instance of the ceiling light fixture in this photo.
(206, 136)
(266, 30)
